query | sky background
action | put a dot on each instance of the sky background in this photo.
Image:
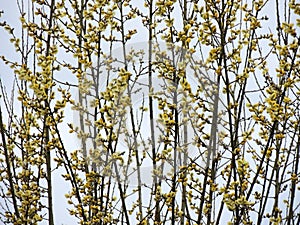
(11, 15)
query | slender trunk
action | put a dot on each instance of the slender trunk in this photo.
(47, 129)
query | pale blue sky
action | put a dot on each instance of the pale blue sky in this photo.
(61, 187)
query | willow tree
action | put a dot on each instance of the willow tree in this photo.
(186, 112)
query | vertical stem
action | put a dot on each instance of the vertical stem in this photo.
(47, 129)
(176, 138)
(185, 130)
(212, 147)
(151, 111)
(8, 165)
(138, 164)
(293, 186)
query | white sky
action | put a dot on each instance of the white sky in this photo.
(60, 187)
